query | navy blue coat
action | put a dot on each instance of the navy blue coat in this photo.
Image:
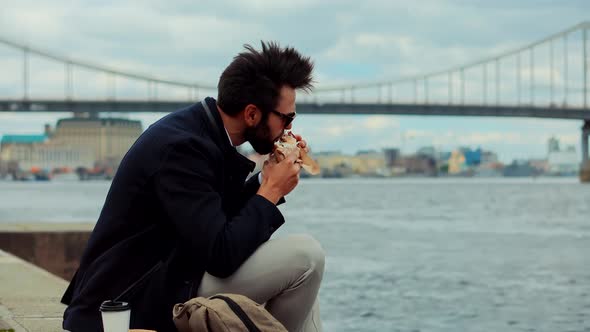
(179, 205)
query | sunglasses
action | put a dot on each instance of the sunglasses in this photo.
(287, 118)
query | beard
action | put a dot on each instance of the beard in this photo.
(260, 138)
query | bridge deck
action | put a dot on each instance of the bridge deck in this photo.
(133, 106)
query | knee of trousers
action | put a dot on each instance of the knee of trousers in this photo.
(306, 253)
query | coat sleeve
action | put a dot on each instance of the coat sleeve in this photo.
(185, 186)
(251, 187)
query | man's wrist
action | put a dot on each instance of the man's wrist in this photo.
(270, 195)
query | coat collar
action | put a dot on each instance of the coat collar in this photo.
(222, 138)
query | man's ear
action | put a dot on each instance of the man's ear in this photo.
(252, 115)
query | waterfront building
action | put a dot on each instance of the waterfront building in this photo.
(561, 161)
(38, 152)
(457, 162)
(75, 142)
(108, 139)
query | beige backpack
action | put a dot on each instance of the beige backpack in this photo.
(224, 313)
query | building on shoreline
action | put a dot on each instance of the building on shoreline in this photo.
(561, 161)
(75, 143)
(108, 139)
(30, 152)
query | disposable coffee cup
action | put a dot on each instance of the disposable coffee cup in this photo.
(115, 316)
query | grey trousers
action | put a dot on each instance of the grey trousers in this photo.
(285, 274)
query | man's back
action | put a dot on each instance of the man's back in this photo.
(132, 235)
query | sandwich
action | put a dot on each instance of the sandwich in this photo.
(287, 145)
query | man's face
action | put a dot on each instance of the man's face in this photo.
(271, 126)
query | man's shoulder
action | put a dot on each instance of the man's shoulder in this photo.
(186, 145)
(179, 128)
(182, 133)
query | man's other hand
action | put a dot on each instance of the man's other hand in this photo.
(279, 178)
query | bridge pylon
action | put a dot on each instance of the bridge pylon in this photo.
(585, 166)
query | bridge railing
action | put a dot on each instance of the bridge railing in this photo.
(551, 72)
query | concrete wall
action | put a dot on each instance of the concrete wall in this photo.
(54, 248)
(585, 172)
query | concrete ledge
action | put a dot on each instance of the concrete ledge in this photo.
(585, 172)
(54, 247)
(29, 296)
(46, 227)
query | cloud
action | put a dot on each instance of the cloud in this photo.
(570, 139)
(351, 42)
(378, 122)
(158, 35)
(268, 8)
(338, 131)
(416, 133)
(369, 46)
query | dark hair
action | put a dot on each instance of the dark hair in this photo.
(255, 77)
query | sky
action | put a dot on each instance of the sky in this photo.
(350, 42)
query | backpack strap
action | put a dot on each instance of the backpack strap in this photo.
(239, 312)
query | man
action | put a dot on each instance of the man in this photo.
(180, 221)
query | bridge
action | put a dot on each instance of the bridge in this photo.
(547, 78)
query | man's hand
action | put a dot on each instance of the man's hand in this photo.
(301, 142)
(279, 178)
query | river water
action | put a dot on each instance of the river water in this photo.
(414, 254)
